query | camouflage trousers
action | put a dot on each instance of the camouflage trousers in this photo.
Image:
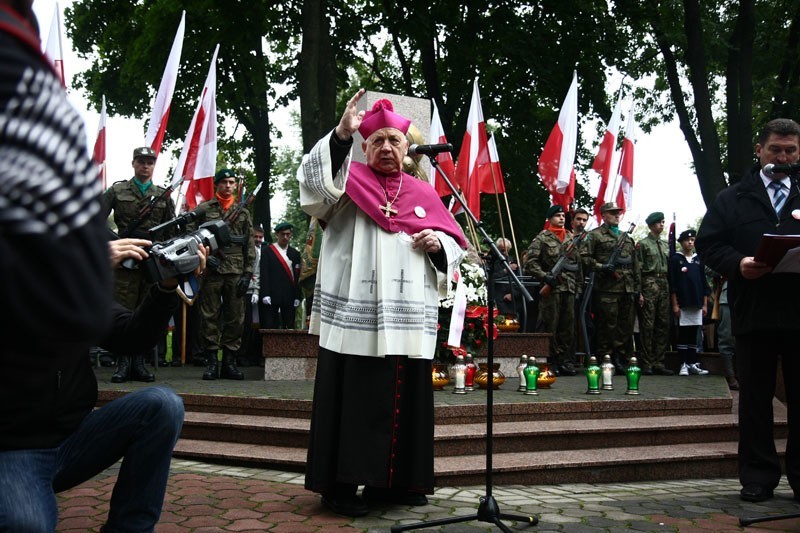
(654, 321)
(557, 316)
(130, 288)
(614, 314)
(222, 313)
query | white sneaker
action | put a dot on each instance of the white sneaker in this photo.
(684, 371)
(695, 369)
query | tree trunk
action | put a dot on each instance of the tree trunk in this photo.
(316, 76)
(739, 92)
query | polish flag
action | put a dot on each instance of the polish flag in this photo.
(557, 163)
(498, 185)
(157, 126)
(198, 160)
(444, 159)
(99, 151)
(604, 160)
(625, 194)
(53, 48)
(473, 169)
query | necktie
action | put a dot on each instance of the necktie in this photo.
(778, 195)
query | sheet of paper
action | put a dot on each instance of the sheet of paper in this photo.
(790, 262)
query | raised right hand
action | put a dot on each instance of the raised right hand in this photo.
(351, 118)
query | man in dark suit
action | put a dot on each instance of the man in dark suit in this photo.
(765, 315)
(280, 285)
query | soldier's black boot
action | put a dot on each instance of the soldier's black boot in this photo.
(229, 370)
(138, 370)
(212, 370)
(123, 370)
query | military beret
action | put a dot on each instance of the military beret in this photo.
(686, 234)
(609, 206)
(223, 174)
(652, 218)
(554, 210)
(282, 226)
(144, 151)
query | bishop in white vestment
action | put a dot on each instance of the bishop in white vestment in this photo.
(389, 248)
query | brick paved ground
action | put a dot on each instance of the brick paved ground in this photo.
(206, 498)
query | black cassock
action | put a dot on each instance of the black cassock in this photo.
(387, 441)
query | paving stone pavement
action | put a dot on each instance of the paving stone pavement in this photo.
(204, 497)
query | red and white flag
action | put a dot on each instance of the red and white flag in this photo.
(99, 151)
(604, 160)
(473, 169)
(444, 159)
(625, 193)
(498, 185)
(53, 48)
(157, 126)
(198, 160)
(557, 163)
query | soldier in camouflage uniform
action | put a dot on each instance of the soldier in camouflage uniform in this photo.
(127, 199)
(228, 275)
(556, 309)
(654, 301)
(616, 287)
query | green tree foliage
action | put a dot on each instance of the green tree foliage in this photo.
(129, 43)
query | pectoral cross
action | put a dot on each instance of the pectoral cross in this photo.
(387, 209)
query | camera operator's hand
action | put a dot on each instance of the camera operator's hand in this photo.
(243, 283)
(203, 253)
(122, 249)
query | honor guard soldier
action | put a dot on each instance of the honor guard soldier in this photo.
(228, 275)
(138, 205)
(557, 297)
(611, 253)
(654, 299)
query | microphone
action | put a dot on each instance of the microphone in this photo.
(179, 221)
(429, 149)
(789, 170)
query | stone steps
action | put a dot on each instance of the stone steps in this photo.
(525, 451)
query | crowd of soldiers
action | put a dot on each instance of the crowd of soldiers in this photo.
(245, 281)
(601, 282)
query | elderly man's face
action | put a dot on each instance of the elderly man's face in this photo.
(385, 150)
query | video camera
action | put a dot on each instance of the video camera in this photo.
(178, 256)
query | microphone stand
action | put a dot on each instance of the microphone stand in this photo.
(488, 510)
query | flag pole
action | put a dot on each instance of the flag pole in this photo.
(511, 229)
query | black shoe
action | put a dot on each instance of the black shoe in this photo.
(753, 492)
(347, 505)
(138, 370)
(661, 371)
(176, 363)
(394, 496)
(163, 363)
(567, 370)
(123, 371)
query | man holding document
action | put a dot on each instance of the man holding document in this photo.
(765, 304)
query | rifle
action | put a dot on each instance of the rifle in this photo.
(612, 261)
(555, 272)
(233, 215)
(145, 211)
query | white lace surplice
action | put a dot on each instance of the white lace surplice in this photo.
(374, 294)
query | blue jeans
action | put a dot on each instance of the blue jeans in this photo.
(141, 427)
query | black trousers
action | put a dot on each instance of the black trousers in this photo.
(757, 357)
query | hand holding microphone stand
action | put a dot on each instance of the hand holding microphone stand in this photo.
(488, 510)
